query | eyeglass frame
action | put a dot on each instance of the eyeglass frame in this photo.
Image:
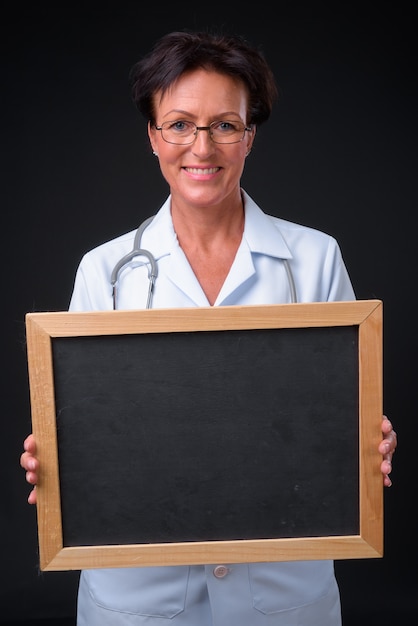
(208, 128)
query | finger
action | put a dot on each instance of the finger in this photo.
(32, 496)
(387, 481)
(24, 459)
(386, 467)
(31, 478)
(393, 438)
(28, 462)
(388, 444)
(29, 444)
(385, 419)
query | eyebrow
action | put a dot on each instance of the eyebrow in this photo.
(221, 116)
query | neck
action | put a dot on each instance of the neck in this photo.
(203, 226)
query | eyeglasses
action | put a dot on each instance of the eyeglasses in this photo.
(183, 133)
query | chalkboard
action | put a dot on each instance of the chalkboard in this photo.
(183, 436)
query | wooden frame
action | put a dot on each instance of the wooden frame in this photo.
(365, 317)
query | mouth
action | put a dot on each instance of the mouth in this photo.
(202, 170)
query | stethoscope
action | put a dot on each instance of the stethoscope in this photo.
(153, 269)
(136, 251)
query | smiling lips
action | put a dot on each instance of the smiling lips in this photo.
(202, 170)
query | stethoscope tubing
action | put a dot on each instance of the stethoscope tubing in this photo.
(135, 252)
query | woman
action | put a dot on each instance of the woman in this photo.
(203, 97)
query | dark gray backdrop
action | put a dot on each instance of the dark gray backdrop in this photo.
(339, 154)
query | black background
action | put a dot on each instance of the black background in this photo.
(338, 154)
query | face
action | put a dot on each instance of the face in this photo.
(204, 173)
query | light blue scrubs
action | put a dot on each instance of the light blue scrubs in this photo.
(220, 594)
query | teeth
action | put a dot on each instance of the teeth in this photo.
(198, 170)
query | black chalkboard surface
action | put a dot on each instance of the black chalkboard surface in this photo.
(247, 433)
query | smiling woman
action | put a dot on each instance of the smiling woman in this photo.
(203, 97)
(203, 169)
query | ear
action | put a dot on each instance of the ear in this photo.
(152, 135)
(250, 138)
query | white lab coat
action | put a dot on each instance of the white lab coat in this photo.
(255, 594)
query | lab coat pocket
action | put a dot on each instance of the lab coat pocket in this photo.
(284, 586)
(150, 591)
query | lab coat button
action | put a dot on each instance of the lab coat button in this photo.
(220, 571)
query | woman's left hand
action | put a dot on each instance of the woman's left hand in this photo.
(387, 448)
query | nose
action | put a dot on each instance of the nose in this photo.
(203, 143)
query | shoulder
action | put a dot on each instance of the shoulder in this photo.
(119, 242)
(294, 229)
(253, 210)
(283, 234)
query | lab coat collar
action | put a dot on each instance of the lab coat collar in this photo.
(260, 232)
(260, 237)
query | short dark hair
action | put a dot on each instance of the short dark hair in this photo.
(180, 52)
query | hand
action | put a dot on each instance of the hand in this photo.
(30, 463)
(387, 448)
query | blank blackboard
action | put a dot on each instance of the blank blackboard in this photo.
(242, 431)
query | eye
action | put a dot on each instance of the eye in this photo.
(227, 127)
(180, 126)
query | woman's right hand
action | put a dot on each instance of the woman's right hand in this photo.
(30, 463)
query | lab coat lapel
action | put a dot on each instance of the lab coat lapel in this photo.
(241, 269)
(180, 273)
(259, 237)
(161, 238)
